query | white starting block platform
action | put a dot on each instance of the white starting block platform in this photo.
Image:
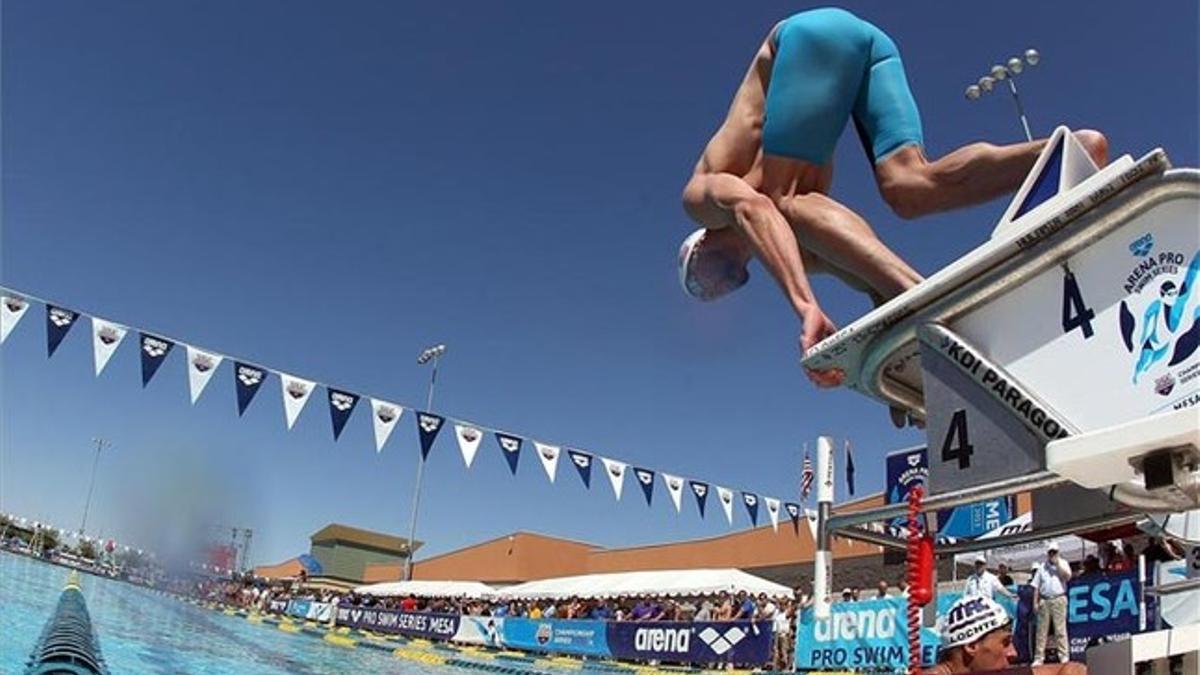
(1081, 314)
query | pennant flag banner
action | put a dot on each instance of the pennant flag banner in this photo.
(810, 516)
(247, 379)
(583, 464)
(106, 337)
(806, 476)
(384, 417)
(549, 456)
(511, 445)
(341, 405)
(58, 322)
(849, 469)
(616, 474)
(675, 489)
(646, 479)
(296, 392)
(12, 308)
(428, 426)
(154, 352)
(773, 511)
(725, 495)
(700, 490)
(201, 366)
(468, 441)
(793, 511)
(751, 502)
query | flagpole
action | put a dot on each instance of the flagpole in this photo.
(432, 353)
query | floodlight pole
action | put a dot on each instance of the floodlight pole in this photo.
(430, 354)
(1009, 71)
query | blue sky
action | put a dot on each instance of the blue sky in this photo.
(326, 190)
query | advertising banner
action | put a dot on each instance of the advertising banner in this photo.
(559, 636)
(480, 630)
(738, 642)
(411, 624)
(869, 634)
(1100, 607)
(907, 468)
(298, 608)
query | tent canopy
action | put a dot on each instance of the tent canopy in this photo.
(1020, 556)
(429, 589)
(647, 583)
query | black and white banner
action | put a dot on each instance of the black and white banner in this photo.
(675, 489)
(751, 502)
(428, 426)
(549, 456)
(725, 496)
(384, 416)
(793, 511)
(200, 366)
(469, 439)
(583, 464)
(12, 308)
(616, 474)
(510, 447)
(58, 323)
(246, 379)
(772, 511)
(700, 490)
(154, 352)
(645, 478)
(341, 406)
(296, 392)
(106, 337)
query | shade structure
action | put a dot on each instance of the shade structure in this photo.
(647, 583)
(429, 589)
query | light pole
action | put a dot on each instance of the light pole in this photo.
(100, 445)
(431, 354)
(1007, 73)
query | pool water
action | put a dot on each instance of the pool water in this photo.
(141, 631)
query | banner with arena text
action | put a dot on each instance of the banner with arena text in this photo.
(866, 635)
(744, 643)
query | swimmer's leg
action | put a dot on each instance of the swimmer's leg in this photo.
(1148, 358)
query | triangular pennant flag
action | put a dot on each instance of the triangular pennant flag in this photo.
(1062, 164)
(773, 511)
(793, 511)
(700, 490)
(106, 337)
(549, 456)
(468, 441)
(646, 480)
(583, 464)
(247, 379)
(675, 489)
(751, 502)
(341, 406)
(616, 474)
(200, 365)
(725, 496)
(58, 322)
(849, 469)
(12, 308)
(810, 517)
(510, 447)
(154, 352)
(296, 392)
(384, 417)
(428, 426)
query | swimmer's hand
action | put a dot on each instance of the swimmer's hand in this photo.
(817, 327)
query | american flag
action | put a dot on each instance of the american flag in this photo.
(806, 476)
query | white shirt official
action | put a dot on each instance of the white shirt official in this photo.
(1049, 581)
(984, 584)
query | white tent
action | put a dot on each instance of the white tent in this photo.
(1019, 557)
(653, 582)
(429, 589)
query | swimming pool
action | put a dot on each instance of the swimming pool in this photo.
(141, 631)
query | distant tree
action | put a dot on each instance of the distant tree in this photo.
(87, 550)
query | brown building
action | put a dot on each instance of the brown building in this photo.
(343, 556)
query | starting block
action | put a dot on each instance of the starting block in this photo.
(1067, 344)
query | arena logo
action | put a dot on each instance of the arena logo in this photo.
(249, 376)
(510, 444)
(721, 642)
(700, 489)
(154, 347)
(429, 423)
(341, 401)
(1141, 247)
(61, 317)
(645, 477)
(582, 461)
(673, 640)
(858, 623)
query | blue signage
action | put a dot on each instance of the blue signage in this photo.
(869, 634)
(1101, 606)
(412, 624)
(558, 636)
(738, 642)
(907, 468)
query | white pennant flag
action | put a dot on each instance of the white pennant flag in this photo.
(773, 511)
(810, 516)
(384, 417)
(12, 308)
(296, 392)
(549, 456)
(616, 474)
(201, 365)
(675, 489)
(106, 337)
(725, 496)
(469, 439)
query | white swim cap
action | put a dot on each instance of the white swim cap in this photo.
(690, 285)
(712, 275)
(969, 619)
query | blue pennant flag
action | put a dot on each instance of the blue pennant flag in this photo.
(793, 511)
(154, 352)
(583, 464)
(428, 426)
(751, 502)
(247, 379)
(849, 469)
(645, 478)
(700, 490)
(341, 406)
(58, 321)
(511, 447)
